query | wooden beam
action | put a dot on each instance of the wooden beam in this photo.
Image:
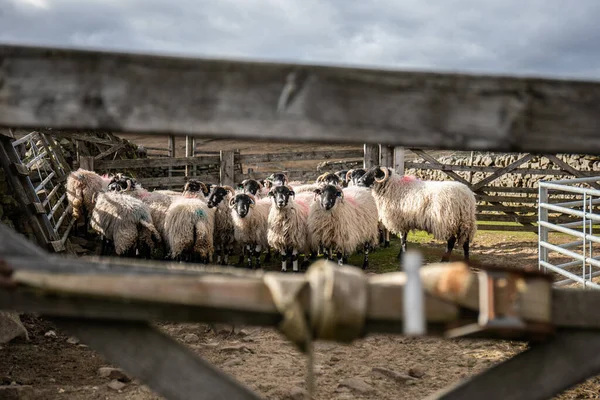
(387, 156)
(110, 150)
(434, 161)
(87, 163)
(481, 168)
(165, 365)
(300, 156)
(539, 373)
(399, 160)
(566, 167)
(75, 89)
(156, 163)
(505, 170)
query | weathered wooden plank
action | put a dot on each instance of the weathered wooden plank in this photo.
(495, 207)
(110, 151)
(566, 167)
(520, 218)
(507, 228)
(506, 199)
(298, 156)
(501, 171)
(371, 155)
(479, 168)
(539, 373)
(176, 180)
(87, 163)
(227, 169)
(165, 365)
(387, 156)
(434, 161)
(399, 153)
(156, 163)
(64, 88)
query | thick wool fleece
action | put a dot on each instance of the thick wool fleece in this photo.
(252, 229)
(224, 230)
(351, 223)
(190, 224)
(158, 203)
(81, 187)
(306, 188)
(288, 226)
(124, 220)
(442, 208)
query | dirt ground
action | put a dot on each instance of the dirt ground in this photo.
(52, 365)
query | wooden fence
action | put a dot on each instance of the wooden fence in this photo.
(109, 303)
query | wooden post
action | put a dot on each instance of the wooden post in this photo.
(189, 152)
(399, 160)
(86, 162)
(387, 156)
(171, 146)
(371, 157)
(227, 168)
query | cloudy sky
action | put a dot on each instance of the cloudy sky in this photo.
(526, 37)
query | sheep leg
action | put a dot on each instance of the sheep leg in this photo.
(249, 255)
(366, 259)
(451, 243)
(228, 253)
(242, 256)
(340, 258)
(268, 255)
(284, 261)
(466, 249)
(257, 250)
(295, 260)
(103, 245)
(403, 239)
(387, 239)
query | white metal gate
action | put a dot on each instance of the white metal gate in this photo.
(581, 250)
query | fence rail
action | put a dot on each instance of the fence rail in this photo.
(585, 219)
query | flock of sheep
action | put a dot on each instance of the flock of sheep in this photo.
(338, 215)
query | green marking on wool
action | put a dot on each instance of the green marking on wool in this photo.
(200, 213)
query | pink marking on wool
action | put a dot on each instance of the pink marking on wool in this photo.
(303, 204)
(409, 178)
(144, 194)
(350, 200)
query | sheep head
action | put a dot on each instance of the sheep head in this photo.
(251, 186)
(329, 178)
(374, 175)
(354, 175)
(194, 186)
(343, 177)
(242, 203)
(218, 194)
(327, 195)
(281, 195)
(278, 179)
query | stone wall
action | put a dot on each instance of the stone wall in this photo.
(517, 180)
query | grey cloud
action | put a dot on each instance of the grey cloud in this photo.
(532, 37)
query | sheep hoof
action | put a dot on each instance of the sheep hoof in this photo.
(387, 244)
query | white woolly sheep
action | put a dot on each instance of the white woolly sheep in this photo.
(224, 234)
(288, 224)
(82, 185)
(445, 209)
(125, 222)
(189, 225)
(343, 220)
(250, 221)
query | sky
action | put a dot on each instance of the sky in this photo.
(547, 38)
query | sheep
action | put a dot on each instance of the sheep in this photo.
(353, 175)
(250, 221)
(254, 187)
(223, 232)
(82, 185)
(276, 179)
(287, 224)
(329, 178)
(189, 226)
(343, 225)
(445, 209)
(342, 175)
(125, 222)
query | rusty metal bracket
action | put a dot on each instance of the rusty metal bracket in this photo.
(501, 305)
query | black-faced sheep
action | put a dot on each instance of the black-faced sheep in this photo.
(82, 186)
(342, 175)
(250, 220)
(189, 225)
(254, 187)
(329, 178)
(343, 220)
(125, 222)
(224, 235)
(353, 175)
(445, 209)
(288, 224)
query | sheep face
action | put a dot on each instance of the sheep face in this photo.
(251, 186)
(195, 186)
(342, 175)
(327, 195)
(374, 175)
(329, 178)
(242, 203)
(354, 175)
(218, 194)
(278, 179)
(281, 195)
(121, 184)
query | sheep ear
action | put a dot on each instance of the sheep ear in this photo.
(292, 193)
(232, 202)
(271, 194)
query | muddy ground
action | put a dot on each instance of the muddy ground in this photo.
(52, 365)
